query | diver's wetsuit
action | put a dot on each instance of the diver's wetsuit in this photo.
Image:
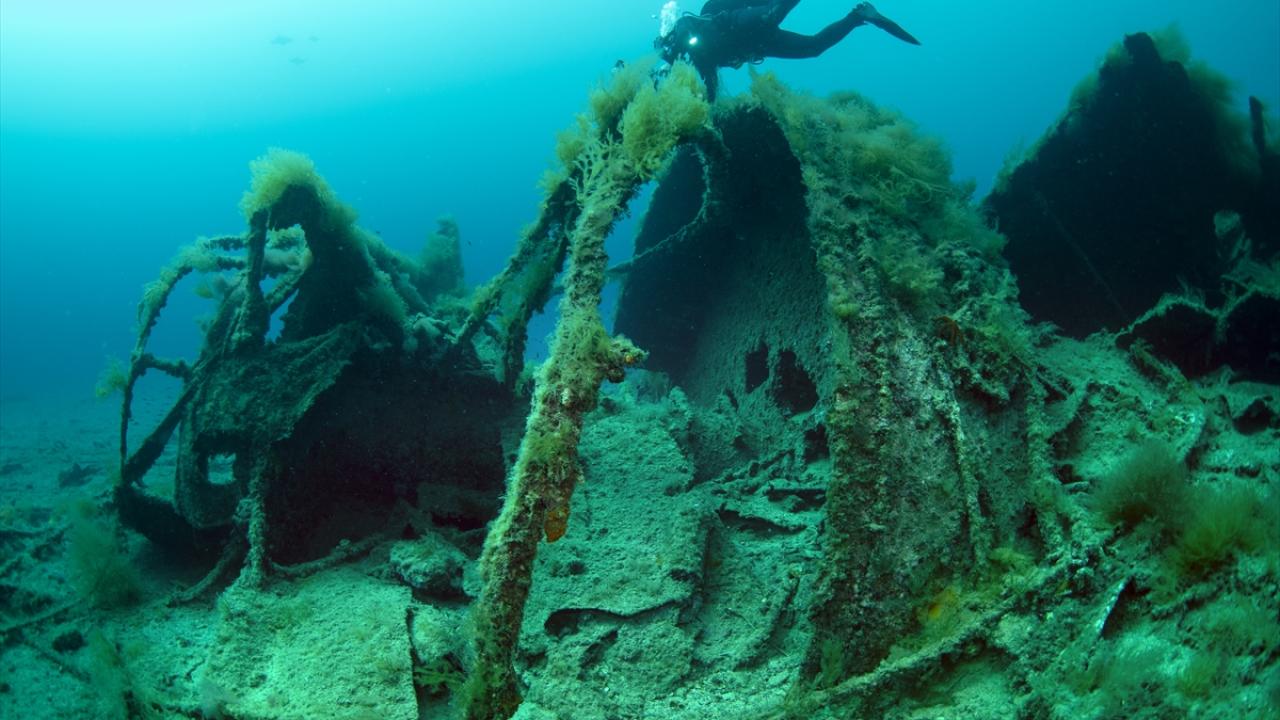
(729, 33)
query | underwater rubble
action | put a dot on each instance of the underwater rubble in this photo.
(837, 469)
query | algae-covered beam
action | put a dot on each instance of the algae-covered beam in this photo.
(253, 318)
(533, 241)
(203, 256)
(610, 166)
(582, 357)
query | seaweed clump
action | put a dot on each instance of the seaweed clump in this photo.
(1150, 483)
(1224, 523)
(98, 569)
(1199, 527)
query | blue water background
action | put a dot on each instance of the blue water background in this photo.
(126, 127)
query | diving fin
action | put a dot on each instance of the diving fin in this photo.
(872, 16)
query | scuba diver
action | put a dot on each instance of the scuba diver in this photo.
(729, 33)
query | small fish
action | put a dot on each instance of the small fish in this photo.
(281, 40)
(297, 60)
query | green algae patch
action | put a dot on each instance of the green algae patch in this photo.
(277, 171)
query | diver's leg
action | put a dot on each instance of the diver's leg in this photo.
(794, 46)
